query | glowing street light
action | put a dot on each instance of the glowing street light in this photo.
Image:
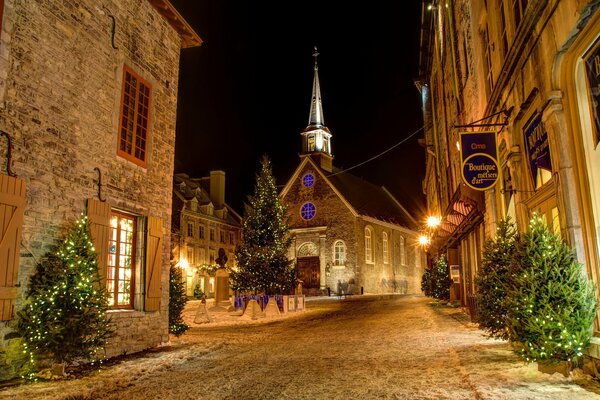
(433, 221)
(423, 240)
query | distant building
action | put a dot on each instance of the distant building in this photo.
(202, 224)
(89, 87)
(347, 234)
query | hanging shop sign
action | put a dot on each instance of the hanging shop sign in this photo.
(538, 149)
(592, 69)
(479, 155)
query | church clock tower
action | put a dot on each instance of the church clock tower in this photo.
(316, 137)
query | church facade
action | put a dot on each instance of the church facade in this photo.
(348, 235)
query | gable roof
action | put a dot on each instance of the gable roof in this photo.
(362, 197)
(189, 38)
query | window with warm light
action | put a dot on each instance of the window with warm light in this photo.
(368, 246)
(121, 260)
(134, 120)
(339, 253)
(402, 251)
(385, 248)
(190, 255)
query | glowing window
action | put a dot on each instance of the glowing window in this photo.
(385, 248)
(308, 180)
(402, 251)
(339, 253)
(121, 259)
(368, 246)
(307, 211)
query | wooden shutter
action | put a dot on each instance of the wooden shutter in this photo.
(154, 252)
(98, 214)
(12, 203)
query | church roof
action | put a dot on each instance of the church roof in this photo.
(369, 199)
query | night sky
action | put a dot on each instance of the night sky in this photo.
(246, 91)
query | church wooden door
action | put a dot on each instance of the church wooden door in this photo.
(309, 272)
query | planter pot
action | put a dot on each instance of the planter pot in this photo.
(562, 367)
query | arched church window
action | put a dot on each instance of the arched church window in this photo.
(339, 253)
(402, 251)
(368, 246)
(385, 248)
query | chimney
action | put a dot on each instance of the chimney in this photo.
(217, 188)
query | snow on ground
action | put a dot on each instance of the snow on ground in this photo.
(364, 347)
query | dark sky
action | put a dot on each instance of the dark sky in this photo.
(246, 91)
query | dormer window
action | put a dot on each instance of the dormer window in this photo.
(194, 204)
(182, 186)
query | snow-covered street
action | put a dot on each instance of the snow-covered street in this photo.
(368, 347)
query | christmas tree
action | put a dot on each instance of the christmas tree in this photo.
(177, 300)
(65, 316)
(551, 303)
(492, 280)
(440, 280)
(263, 266)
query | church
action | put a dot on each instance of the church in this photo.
(349, 236)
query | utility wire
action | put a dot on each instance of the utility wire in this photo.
(378, 155)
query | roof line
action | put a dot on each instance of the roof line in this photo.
(189, 37)
(400, 206)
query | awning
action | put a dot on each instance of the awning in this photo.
(464, 211)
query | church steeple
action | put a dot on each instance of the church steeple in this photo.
(316, 118)
(316, 137)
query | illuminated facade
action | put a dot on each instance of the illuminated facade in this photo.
(529, 70)
(348, 235)
(202, 224)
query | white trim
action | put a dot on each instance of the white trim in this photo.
(388, 225)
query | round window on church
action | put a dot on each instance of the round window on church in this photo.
(308, 180)
(307, 211)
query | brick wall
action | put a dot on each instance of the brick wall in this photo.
(60, 88)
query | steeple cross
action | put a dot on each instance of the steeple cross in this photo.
(315, 55)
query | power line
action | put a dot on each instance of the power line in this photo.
(380, 154)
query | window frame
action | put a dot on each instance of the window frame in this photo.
(385, 248)
(368, 245)
(402, 241)
(114, 293)
(123, 153)
(200, 231)
(190, 229)
(339, 253)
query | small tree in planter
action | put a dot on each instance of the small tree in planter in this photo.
(551, 303)
(177, 300)
(440, 279)
(492, 280)
(65, 317)
(263, 266)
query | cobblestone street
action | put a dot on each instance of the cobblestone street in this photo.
(368, 347)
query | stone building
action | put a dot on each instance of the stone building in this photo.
(529, 71)
(347, 234)
(88, 97)
(202, 223)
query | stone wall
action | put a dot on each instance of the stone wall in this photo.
(60, 94)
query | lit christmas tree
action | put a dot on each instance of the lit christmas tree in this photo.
(440, 279)
(65, 317)
(492, 280)
(177, 300)
(551, 303)
(263, 266)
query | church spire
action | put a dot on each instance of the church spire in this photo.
(316, 118)
(316, 138)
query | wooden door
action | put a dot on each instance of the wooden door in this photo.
(308, 270)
